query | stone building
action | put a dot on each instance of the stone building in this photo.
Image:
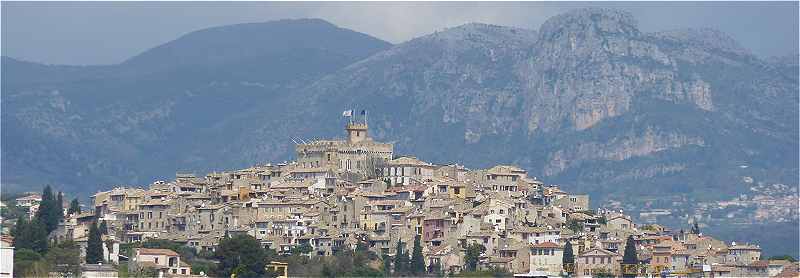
(359, 153)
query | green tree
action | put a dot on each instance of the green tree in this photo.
(30, 235)
(94, 246)
(568, 257)
(12, 211)
(399, 259)
(629, 257)
(387, 265)
(601, 272)
(436, 269)
(241, 255)
(472, 255)
(574, 225)
(58, 211)
(47, 210)
(695, 228)
(783, 257)
(28, 263)
(103, 228)
(302, 249)
(65, 259)
(74, 207)
(417, 260)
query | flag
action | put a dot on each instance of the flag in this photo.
(347, 113)
(363, 112)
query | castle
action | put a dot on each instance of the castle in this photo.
(358, 153)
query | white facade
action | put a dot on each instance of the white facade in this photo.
(546, 259)
(6, 259)
(549, 235)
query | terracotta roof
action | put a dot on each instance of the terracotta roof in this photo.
(792, 270)
(152, 251)
(761, 263)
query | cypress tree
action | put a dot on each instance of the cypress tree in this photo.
(94, 247)
(568, 257)
(38, 231)
(74, 207)
(59, 207)
(387, 266)
(629, 257)
(417, 261)
(103, 228)
(44, 214)
(399, 266)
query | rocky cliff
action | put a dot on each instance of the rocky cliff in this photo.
(588, 102)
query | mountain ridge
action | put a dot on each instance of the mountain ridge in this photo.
(588, 102)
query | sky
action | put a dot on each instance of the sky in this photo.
(90, 33)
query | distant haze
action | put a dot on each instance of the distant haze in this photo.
(82, 33)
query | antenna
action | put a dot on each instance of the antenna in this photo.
(295, 142)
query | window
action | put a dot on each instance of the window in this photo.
(156, 260)
(183, 271)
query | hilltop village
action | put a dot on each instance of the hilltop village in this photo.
(342, 194)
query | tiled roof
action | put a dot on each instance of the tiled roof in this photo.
(153, 251)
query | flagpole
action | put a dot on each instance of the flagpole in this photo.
(365, 116)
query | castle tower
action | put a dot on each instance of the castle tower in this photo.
(356, 132)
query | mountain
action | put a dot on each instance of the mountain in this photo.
(89, 127)
(588, 102)
(673, 119)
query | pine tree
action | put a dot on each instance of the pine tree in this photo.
(59, 206)
(74, 207)
(94, 247)
(103, 228)
(417, 261)
(629, 258)
(568, 257)
(399, 265)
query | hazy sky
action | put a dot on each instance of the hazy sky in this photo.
(110, 32)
